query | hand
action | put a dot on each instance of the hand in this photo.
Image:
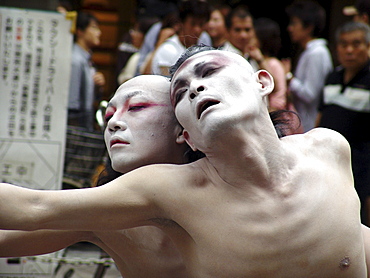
(99, 79)
(287, 64)
(256, 54)
(164, 34)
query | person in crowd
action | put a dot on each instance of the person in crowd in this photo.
(170, 25)
(85, 81)
(265, 49)
(239, 24)
(65, 6)
(216, 26)
(141, 130)
(346, 103)
(360, 11)
(254, 206)
(307, 22)
(157, 34)
(137, 34)
(193, 15)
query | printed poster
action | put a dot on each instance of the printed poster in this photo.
(35, 53)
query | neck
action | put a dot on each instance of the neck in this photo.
(256, 160)
(182, 39)
(350, 73)
(83, 45)
(305, 41)
(217, 42)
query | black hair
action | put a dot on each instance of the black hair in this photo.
(199, 9)
(363, 7)
(108, 174)
(310, 13)
(145, 22)
(240, 11)
(170, 20)
(66, 4)
(190, 51)
(84, 19)
(283, 121)
(224, 9)
(268, 35)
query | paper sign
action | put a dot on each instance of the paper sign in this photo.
(35, 62)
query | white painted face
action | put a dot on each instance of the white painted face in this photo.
(141, 125)
(213, 91)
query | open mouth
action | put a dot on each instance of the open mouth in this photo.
(205, 105)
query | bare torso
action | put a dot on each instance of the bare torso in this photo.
(304, 225)
(142, 252)
(297, 216)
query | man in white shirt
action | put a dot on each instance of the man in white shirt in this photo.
(239, 24)
(305, 84)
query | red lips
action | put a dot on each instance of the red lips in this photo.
(117, 141)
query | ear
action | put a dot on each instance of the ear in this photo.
(266, 82)
(365, 18)
(180, 139)
(188, 140)
(79, 33)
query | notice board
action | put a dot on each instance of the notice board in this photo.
(35, 63)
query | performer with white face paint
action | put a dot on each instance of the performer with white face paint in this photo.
(255, 206)
(141, 130)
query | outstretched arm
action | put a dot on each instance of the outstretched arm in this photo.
(123, 203)
(23, 243)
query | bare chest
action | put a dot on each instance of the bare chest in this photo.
(142, 252)
(290, 233)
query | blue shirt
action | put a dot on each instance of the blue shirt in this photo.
(81, 89)
(313, 67)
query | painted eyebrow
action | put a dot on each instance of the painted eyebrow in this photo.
(198, 68)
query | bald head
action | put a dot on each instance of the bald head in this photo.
(157, 84)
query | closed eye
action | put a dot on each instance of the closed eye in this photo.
(108, 114)
(136, 107)
(179, 96)
(107, 118)
(209, 72)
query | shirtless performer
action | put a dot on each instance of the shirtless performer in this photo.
(255, 206)
(141, 114)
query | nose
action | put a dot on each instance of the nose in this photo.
(115, 124)
(244, 34)
(196, 92)
(349, 48)
(198, 29)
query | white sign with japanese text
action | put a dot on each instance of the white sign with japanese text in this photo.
(35, 53)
